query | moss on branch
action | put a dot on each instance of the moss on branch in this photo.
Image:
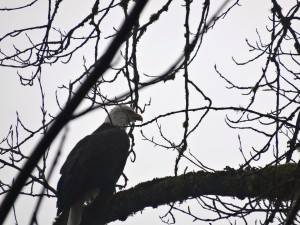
(273, 182)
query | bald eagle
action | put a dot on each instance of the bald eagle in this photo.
(95, 164)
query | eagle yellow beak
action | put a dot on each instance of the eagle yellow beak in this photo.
(138, 117)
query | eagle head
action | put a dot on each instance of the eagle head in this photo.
(122, 116)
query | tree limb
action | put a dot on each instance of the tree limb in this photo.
(273, 183)
(62, 119)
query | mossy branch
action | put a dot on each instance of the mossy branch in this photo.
(273, 183)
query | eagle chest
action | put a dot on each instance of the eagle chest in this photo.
(105, 157)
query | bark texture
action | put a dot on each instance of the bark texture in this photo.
(274, 183)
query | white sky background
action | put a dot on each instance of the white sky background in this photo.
(215, 144)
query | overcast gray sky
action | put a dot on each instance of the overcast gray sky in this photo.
(214, 142)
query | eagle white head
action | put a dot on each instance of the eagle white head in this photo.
(122, 116)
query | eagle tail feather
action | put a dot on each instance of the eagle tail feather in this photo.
(75, 214)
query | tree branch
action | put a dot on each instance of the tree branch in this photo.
(272, 183)
(63, 118)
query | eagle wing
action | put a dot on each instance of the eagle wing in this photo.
(97, 161)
